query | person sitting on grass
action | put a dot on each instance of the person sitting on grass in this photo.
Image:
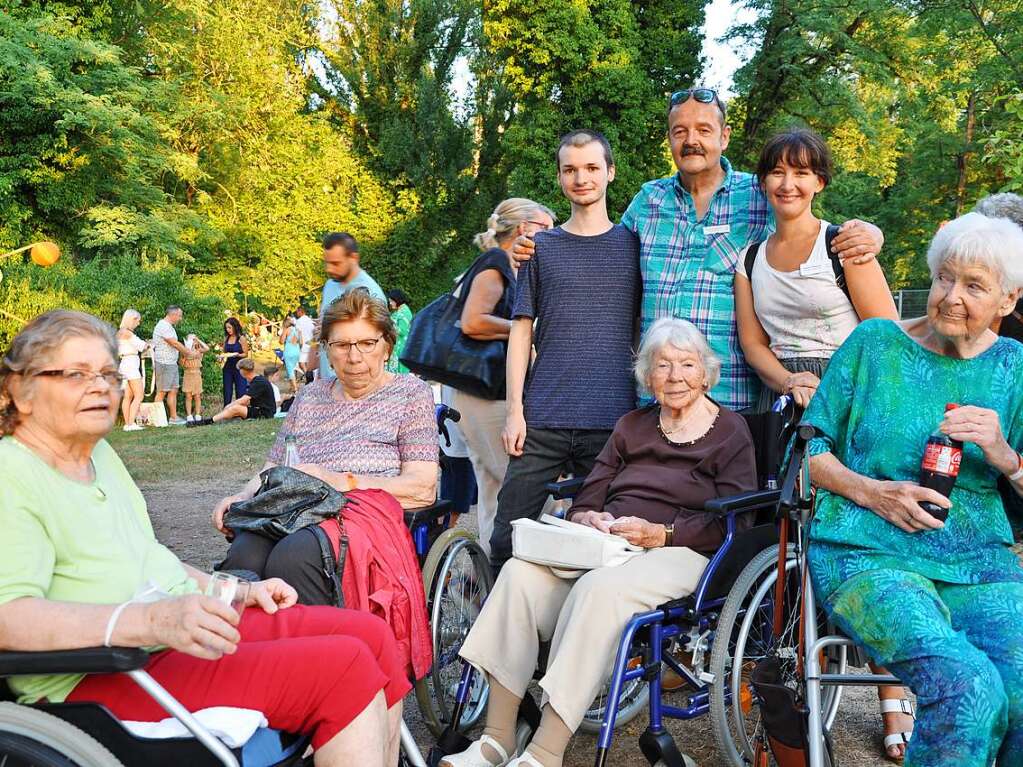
(272, 373)
(258, 403)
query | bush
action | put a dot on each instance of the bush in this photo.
(106, 288)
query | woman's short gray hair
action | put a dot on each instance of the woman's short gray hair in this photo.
(995, 243)
(1002, 205)
(34, 347)
(684, 336)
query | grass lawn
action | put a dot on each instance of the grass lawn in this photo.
(177, 453)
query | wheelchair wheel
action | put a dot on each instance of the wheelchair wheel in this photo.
(634, 697)
(32, 738)
(457, 578)
(742, 638)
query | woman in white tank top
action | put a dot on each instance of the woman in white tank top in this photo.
(791, 312)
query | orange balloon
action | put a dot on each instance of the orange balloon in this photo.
(45, 253)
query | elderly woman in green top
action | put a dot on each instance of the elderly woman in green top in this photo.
(938, 603)
(80, 567)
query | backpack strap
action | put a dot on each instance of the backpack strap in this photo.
(836, 262)
(751, 258)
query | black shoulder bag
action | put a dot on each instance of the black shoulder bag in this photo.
(438, 350)
(288, 500)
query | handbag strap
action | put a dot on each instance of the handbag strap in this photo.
(333, 567)
(461, 296)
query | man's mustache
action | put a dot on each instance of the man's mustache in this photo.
(688, 150)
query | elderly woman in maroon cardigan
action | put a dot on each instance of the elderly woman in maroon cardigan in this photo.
(661, 465)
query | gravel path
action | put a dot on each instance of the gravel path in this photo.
(180, 513)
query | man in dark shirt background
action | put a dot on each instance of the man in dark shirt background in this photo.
(582, 289)
(258, 402)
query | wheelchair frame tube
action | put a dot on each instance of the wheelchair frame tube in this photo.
(170, 704)
(812, 669)
(410, 747)
(701, 591)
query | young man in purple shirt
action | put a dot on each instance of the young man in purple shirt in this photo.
(582, 290)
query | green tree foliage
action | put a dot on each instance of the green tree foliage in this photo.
(388, 71)
(920, 102)
(608, 65)
(82, 155)
(207, 146)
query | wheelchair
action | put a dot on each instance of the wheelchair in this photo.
(89, 735)
(457, 579)
(781, 618)
(703, 628)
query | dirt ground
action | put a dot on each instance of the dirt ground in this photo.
(180, 511)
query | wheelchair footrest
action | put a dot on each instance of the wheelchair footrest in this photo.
(659, 747)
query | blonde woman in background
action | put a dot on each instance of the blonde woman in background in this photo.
(486, 316)
(129, 349)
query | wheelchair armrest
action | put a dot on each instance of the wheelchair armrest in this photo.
(90, 660)
(732, 504)
(566, 488)
(427, 514)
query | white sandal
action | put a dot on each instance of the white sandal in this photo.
(473, 755)
(897, 706)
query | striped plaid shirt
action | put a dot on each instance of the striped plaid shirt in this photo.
(688, 265)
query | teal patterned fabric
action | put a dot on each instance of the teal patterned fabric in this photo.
(942, 609)
(959, 647)
(688, 265)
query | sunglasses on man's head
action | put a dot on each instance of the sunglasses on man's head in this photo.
(702, 95)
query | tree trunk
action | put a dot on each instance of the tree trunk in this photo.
(963, 160)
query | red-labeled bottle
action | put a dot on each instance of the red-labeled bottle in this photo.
(940, 467)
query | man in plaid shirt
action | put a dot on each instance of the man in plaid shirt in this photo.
(694, 227)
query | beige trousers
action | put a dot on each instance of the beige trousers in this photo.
(481, 424)
(583, 620)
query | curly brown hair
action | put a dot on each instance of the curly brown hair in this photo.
(358, 304)
(34, 346)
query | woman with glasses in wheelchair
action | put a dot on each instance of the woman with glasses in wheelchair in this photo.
(660, 465)
(366, 429)
(795, 305)
(81, 567)
(938, 601)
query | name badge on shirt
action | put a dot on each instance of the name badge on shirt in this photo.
(717, 229)
(812, 270)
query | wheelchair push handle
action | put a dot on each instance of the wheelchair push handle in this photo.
(789, 493)
(445, 414)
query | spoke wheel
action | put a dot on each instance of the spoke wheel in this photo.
(634, 697)
(33, 738)
(457, 579)
(742, 638)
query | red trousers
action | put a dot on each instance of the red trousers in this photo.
(310, 670)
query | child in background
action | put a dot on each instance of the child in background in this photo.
(272, 373)
(191, 386)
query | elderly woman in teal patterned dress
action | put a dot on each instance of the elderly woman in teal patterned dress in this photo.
(940, 604)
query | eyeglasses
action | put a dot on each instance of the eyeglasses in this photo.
(365, 346)
(702, 95)
(78, 377)
(540, 224)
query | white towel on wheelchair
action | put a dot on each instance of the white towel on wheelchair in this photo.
(568, 548)
(234, 726)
